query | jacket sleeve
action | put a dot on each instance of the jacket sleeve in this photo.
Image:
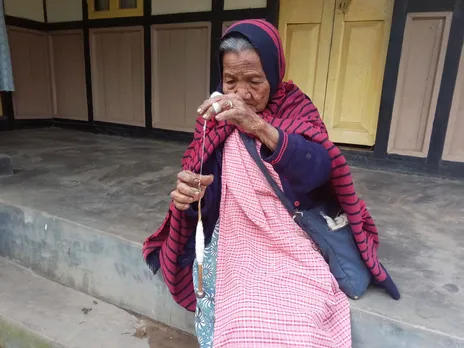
(304, 164)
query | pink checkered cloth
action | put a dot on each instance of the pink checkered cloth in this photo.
(273, 288)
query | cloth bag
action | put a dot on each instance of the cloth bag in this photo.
(338, 247)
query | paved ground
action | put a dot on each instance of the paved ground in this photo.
(122, 185)
(50, 313)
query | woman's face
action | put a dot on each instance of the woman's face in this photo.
(243, 74)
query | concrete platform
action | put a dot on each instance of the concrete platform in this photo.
(6, 167)
(80, 204)
(35, 312)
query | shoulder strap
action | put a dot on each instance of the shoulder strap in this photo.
(251, 148)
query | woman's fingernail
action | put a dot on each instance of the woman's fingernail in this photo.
(199, 110)
(218, 117)
(205, 116)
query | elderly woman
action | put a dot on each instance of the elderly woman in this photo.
(265, 282)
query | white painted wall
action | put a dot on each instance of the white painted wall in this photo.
(179, 6)
(63, 10)
(241, 4)
(29, 9)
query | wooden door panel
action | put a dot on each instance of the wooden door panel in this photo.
(423, 55)
(357, 63)
(302, 51)
(180, 54)
(368, 10)
(454, 143)
(117, 75)
(306, 29)
(354, 103)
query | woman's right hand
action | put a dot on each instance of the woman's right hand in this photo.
(190, 188)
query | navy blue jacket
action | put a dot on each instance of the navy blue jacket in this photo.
(303, 166)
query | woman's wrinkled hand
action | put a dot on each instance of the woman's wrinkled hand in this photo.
(232, 109)
(190, 188)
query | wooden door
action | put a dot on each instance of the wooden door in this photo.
(306, 30)
(357, 61)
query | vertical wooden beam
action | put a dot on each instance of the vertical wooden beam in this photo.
(147, 63)
(273, 7)
(390, 77)
(8, 108)
(45, 11)
(216, 33)
(88, 69)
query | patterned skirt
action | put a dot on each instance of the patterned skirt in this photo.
(204, 314)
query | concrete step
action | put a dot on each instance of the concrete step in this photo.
(111, 268)
(36, 312)
(89, 260)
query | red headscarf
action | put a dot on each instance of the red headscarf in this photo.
(292, 111)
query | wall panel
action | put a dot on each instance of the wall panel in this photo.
(29, 9)
(118, 75)
(64, 11)
(421, 67)
(181, 59)
(244, 4)
(454, 142)
(179, 6)
(31, 70)
(68, 74)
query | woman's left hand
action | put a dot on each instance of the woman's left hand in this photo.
(232, 108)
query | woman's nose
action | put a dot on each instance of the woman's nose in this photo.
(243, 92)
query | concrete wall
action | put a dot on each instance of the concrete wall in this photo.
(242, 4)
(29, 9)
(179, 6)
(64, 10)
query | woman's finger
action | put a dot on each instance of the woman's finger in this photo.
(188, 178)
(207, 104)
(188, 191)
(181, 206)
(178, 197)
(229, 115)
(206, 180)
(222, 105)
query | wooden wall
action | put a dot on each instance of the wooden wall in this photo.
(421, 69)
(30, 57)
(72, 73)
(421, 110)
(68, 74)
(454, 141)
(117, 78)
(149, 71)
(180, 73)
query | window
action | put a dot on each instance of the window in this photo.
(126, 4)
(115, 8)
(102, 5)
